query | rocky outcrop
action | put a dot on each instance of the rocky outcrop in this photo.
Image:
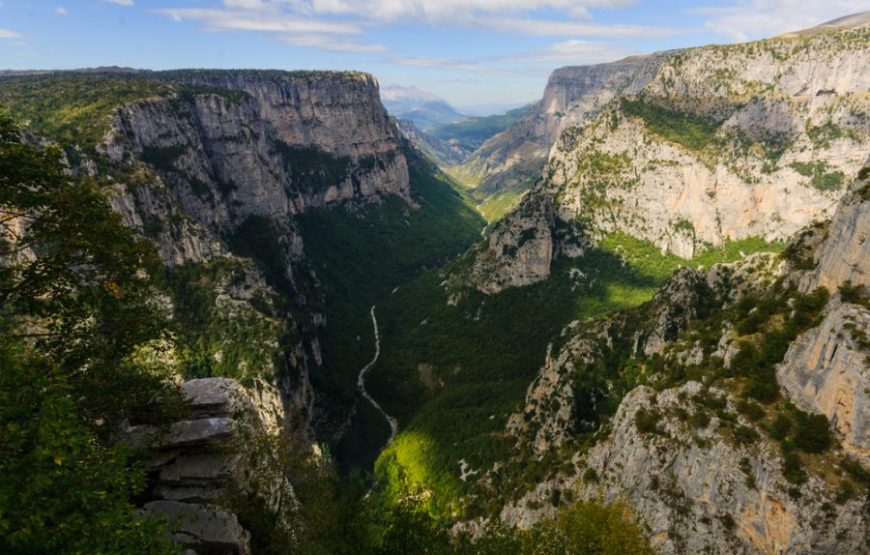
(702, 466)
(222, 458)
(827, 371)
(699, 491)
(526, 238)
(556, 408)
(721, 143)
(844, 251)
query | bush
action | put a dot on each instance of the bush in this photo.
(780, 427)
(812, 432)
(792, 468)
(744, 435)
(647, 421)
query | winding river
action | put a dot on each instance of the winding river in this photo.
(361, 383)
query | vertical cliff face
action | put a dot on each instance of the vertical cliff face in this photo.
(757, 139)
(515, 158)
(268, 144)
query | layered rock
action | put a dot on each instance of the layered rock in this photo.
(702, 467)
(843, 253)
(247, 144)
(224, 455)
(827, 371)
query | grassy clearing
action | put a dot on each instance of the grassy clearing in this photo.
(498, 205)
(686, 129)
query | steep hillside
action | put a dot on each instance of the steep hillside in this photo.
(723, 142)
(712, 444)
(282, 205)
(515, 158)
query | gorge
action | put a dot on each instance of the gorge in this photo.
(635, 312)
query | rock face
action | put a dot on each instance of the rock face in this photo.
(699, 492)
(555, 409)
(705, 145)
(827, 371)
(223, 455)
(705, 473)
(844, 253)
(514, 158)
(254, 144)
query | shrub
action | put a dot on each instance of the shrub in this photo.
(780, 427)
(590, 476)
(700, 419)
(812, 432)
(792, 468)
(647, 421)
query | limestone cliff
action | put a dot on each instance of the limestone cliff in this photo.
(706, 466)
(722, 142)
(253, 144)
(515, 158)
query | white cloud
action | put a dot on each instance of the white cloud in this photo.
(327, 24)
(750, 19)
(550, 28)
(451, 10)
(7, 34)
(573, 52)
(331, 43)
(120, 2)
(60, 10)
(443, 63)
(251, 20)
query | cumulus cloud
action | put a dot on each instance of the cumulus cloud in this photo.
(120, 2)
(750, 19)
(60, 10)
(7, 34)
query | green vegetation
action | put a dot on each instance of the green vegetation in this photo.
(588, 527)
(359, 257)
(821, 178)
(313, 168)
(475, 375)
(224, 338)
(77, 343)
(498, 205)
(688, 130)
(72, 108)
(471, 133)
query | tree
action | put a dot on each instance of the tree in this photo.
(76, 310)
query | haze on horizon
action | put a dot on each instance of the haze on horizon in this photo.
(480, 55)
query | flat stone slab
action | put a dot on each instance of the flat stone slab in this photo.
(200, 467)
(213, 396)
(203, 527)
(200, 431)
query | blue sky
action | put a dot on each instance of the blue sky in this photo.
(472, 52)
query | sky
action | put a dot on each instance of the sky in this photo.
(480, 55)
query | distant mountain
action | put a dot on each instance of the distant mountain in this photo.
(425, 109)
(470, 134)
